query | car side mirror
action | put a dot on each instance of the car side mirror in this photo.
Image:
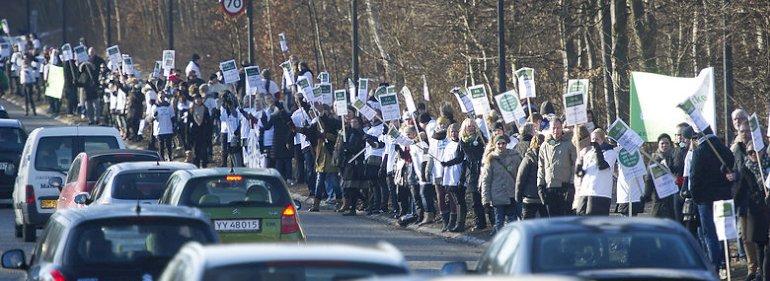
(82, 198)
(297, 204)
(55, 182)
(454, 268)
(14, 259)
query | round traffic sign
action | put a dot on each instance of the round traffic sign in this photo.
(233, 7)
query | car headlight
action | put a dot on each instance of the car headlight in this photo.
(10, 169)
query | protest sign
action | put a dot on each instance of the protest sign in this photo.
(694, 114)
(465, 101)
(352, 91)
(327, 95)
(324, 77)
(389, 107)
(128, 65)
(526, 78)
(575, 111)
(303, 85)
(756, 133)
(398, 138)
(510, 108)
(114, 54)
(579, 85)
(66, 51)
(229, 71)
(55, 82)
(282, 41)
(724, 220)
(340, 103)
(81, 54)
(631, 163)
(767, 182)
(479, 99)
(168, 59)
(316, 94)
(5, 27)
(363, 89)
(253, 80)
(409, 100)
(425, 93)
(663, 181)
(381, 90)
(288, 73)
(364, 110)
(624, 136)
(630, 184)
(5, 49)
(156, 70)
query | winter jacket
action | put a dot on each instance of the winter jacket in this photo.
(353, 169)
(707, 174)
(597, 182)
(498, 176)
(452, 161)
(757, 214)
(324, 143)
(739, 154)
(556, 163)
(283, 133)
(526, 179)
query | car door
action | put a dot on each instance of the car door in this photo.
(69, 190)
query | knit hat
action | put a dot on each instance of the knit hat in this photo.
(502, 138)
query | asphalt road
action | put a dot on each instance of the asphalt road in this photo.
(425, 253)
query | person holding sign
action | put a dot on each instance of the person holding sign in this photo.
(664, 155)
(193, 67)
(751, 190)
(354, 180)
(163, 127)
(595, 168)
(473, 142)
(556, 164)
(322, 133)
(269, 86)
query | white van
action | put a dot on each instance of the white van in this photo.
(44, 163)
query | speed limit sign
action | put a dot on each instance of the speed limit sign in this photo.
(233, 7)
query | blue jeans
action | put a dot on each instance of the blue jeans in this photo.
(327, 184)
(713, 247)
(503, 215)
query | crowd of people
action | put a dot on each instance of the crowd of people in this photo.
(449, 162)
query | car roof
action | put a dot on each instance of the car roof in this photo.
(596, 224)
(74, 131)
(110, 152)
(150, 165)
(13, 123)
(209, 172)
(76, 216)
(222, 255)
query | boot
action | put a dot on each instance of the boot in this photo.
(316, 205)
(344, 206)
(460, 224)
(428, 219)
(452, 222)
(445, 221)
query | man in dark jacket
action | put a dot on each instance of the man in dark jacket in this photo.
(279, 152)
(711, 178)
(87, 82)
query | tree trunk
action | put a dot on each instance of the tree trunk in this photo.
(620, 56)
(270, 34)
(319, 47)
(606, 48)
(375, 27)
(117, 20)
(645, 27)
(567, 46)
(694, 47)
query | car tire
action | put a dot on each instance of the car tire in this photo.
(17, 230)
(28, 232)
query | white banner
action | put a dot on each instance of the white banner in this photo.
(253, 80)
(756, 133)
(624, 136)
(526, 78)
(168, 59)
(724, 220)
(510, 108)
(229, 71)
(408, 99)
(389, 107)
(479, 99)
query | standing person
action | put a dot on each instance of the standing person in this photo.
(375, 148)
(183, 104)
(498, 173)
(193, 67)
(595, 167)
(755, 222)
(352, 164)
(556, 163)
(163, 127)
(421, 160)
(70, 85)
(438, 143)
(28, 80)
(15, 62)
(134, 115)
(526, 182)
(472, 142)
(278, 143)
(664, 155)
(327, 181)
(711, 180)
(200, 132)
(452, 162)
(300, 118)
(740, 155)
(269, 86)
(581, 138)
(230, 120)
(88, 96)
(404, 178)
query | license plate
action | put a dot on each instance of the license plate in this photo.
(237, 225)
(47, 204)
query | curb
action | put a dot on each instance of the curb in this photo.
(452, 237)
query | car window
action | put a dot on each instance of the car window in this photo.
(485, 262)
(301, 270)
(139, 186)
(100, 184)
(235, 191)
(133, 241)
(72, 174)
(588, 251)
(51, 242)
(91, 143)
(169, 189)
(54, 154)
(98, 165)
(12, 138)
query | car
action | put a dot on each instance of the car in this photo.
(280, 261)
(111, 242)
(3, 112)
(127, 183)
(12, 139)
(45, 160)
(595, 248)
(246, 205)
(88, 166)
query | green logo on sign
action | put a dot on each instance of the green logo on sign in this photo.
(252, 71)
(574, 100)
(617, 131)
(477, 92)
(627, 159)
(508, 103)
(388, 100)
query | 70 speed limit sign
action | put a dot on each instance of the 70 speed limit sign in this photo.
(233, 7)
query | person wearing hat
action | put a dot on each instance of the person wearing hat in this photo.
(193, 67)
(498, 177)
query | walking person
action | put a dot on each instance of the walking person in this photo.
(498, 178)
(27, 73)
(526, 182)
(163, 127)
(595, 167)
(422, 162)
(276, 137)
(200, 132)
(327, 180)
(230, 120)
(555, 170)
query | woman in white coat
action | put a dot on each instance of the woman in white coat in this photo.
(595, 168)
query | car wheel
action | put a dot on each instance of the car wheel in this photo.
(28, 232)
(17, 230)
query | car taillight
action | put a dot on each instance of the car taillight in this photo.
(289, 220)
(30, 191)
(56, 275)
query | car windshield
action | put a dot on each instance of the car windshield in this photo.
(98, 165)
(568, 252)
(54, 154)
(12, 138)
(147, 185)
(235, 190)
(138, 241)
(301, 271)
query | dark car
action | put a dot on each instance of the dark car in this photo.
(595, 248)
(111, 242)
(12, 139)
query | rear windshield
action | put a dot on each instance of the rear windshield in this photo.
(98, 165)
(223, 191)
(92, 143)
(55, 153)
(137, 241)
(140, 186)
(301, 270)
(569, 252)
(12, 138)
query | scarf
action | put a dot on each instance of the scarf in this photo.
(198, 114)
(470, 137)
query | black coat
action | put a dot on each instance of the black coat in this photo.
(757, 215)
(201, 134)
(353, 170)
(707, 174)
(283, 134)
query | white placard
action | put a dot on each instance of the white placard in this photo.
(663, 181)
(463, 99)
(389, 107)
(229, 71)
(526, 78)
(767, 181)
(253, 80)
(690, 108)
(624, 136)
(114, 54)
(169, 59)
(324, 77)
(282, 41)
(724, 220)
(128, 65)
(409, 99)
(579, 85)
(631, 163)
(575, 109)
(5, 49)
(327, 93)
(756, 133)
(425, 93)
(66, 51)
(157, 69)
(352, 91)
(479, 99)
(340, 103)
(303, 85)
(510, 108)
(399, 139)
(364, 110)
(81, 54)
(363, 89)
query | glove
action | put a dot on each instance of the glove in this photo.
(579, 170)
(603, 165)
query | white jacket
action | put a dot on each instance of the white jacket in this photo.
(451, 173)
(595, 182)
(162, 124)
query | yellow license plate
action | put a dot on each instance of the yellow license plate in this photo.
(47, 204)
